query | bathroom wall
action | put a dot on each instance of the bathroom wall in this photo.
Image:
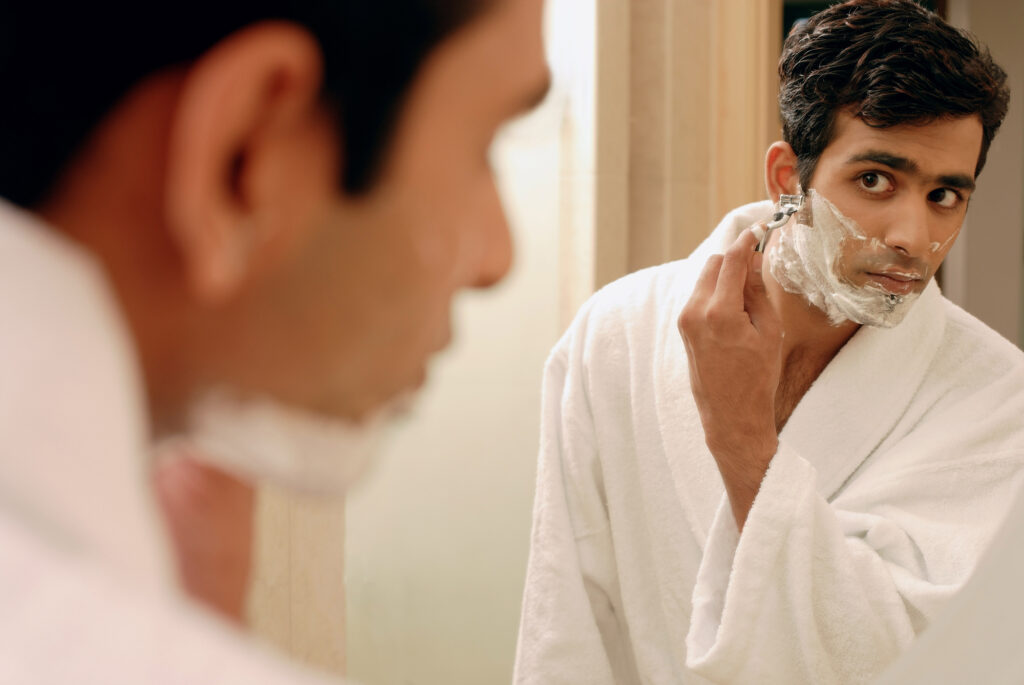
(984, 269)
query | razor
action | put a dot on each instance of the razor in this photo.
(787, 206)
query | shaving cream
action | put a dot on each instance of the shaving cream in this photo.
(809, 258)
(263, 441)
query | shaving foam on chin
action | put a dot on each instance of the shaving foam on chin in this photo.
(806, 259)
(263, 441)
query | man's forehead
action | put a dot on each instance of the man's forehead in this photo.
(942, 147)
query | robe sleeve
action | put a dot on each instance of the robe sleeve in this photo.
(812, 592)
(976, 639)
(570, 631)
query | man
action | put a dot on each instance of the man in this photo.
(786, 487)
(219, 216)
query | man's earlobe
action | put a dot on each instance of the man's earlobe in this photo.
(239, 104)
(781, 176)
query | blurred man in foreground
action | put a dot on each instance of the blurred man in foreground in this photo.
(244, 221)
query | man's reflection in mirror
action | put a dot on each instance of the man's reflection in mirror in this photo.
(776, 467)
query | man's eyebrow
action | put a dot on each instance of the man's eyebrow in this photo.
(888, 159)
(959, 181)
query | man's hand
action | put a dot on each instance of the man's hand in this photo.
(209, 515)
(733, 340)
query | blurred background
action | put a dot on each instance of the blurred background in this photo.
(656, 126)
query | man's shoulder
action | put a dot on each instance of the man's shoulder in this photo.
(974, 356)
(635, 306)
(974, 347)
(639, 307)
(653, 286)
(666, 282)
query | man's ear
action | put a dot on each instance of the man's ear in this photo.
(248, 113)
(780, 172)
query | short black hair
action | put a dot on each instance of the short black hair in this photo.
(889, 62)
(64, 66)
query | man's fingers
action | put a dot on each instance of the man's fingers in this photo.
(693, 313)
(755, 298)
(731, 280)
(707, 282)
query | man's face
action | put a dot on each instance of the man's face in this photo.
(907, 188)
(365, 299)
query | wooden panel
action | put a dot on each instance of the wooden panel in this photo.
(745, 86)
(650, 130)
(699, 89)
(611, 201)
(692, 150)
(296, 599)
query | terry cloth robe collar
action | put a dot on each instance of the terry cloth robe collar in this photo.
(74, 437)
(862, 393)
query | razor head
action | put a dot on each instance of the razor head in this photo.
(787, 206)
(790, 204)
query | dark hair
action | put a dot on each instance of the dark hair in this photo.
(64, 65)
(889, 62)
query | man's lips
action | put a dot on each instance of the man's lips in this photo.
(897, 282)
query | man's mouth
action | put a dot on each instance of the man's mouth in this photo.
(896, 282)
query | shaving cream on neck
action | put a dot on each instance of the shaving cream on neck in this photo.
(263, 441)
(807, 258)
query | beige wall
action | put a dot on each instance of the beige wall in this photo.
(984, 269)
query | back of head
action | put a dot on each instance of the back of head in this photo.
(64, 66)
(889, 62)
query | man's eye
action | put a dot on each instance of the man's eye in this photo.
(874, 183)
(945, 197)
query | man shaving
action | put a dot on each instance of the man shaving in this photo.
(241, 221)
(775, 468)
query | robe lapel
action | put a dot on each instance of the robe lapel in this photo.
(863, 392)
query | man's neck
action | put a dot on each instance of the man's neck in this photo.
(809, 333)
(810, 343)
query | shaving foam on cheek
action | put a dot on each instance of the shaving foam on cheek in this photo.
(807, 259)
(939, 247)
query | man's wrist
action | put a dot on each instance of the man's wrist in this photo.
(742, 450)
(743, 469)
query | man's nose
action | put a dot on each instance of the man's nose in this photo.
(909, 232)
(495, 242)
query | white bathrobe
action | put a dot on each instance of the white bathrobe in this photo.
(86, 584)
(892, 474)
(977, 638)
